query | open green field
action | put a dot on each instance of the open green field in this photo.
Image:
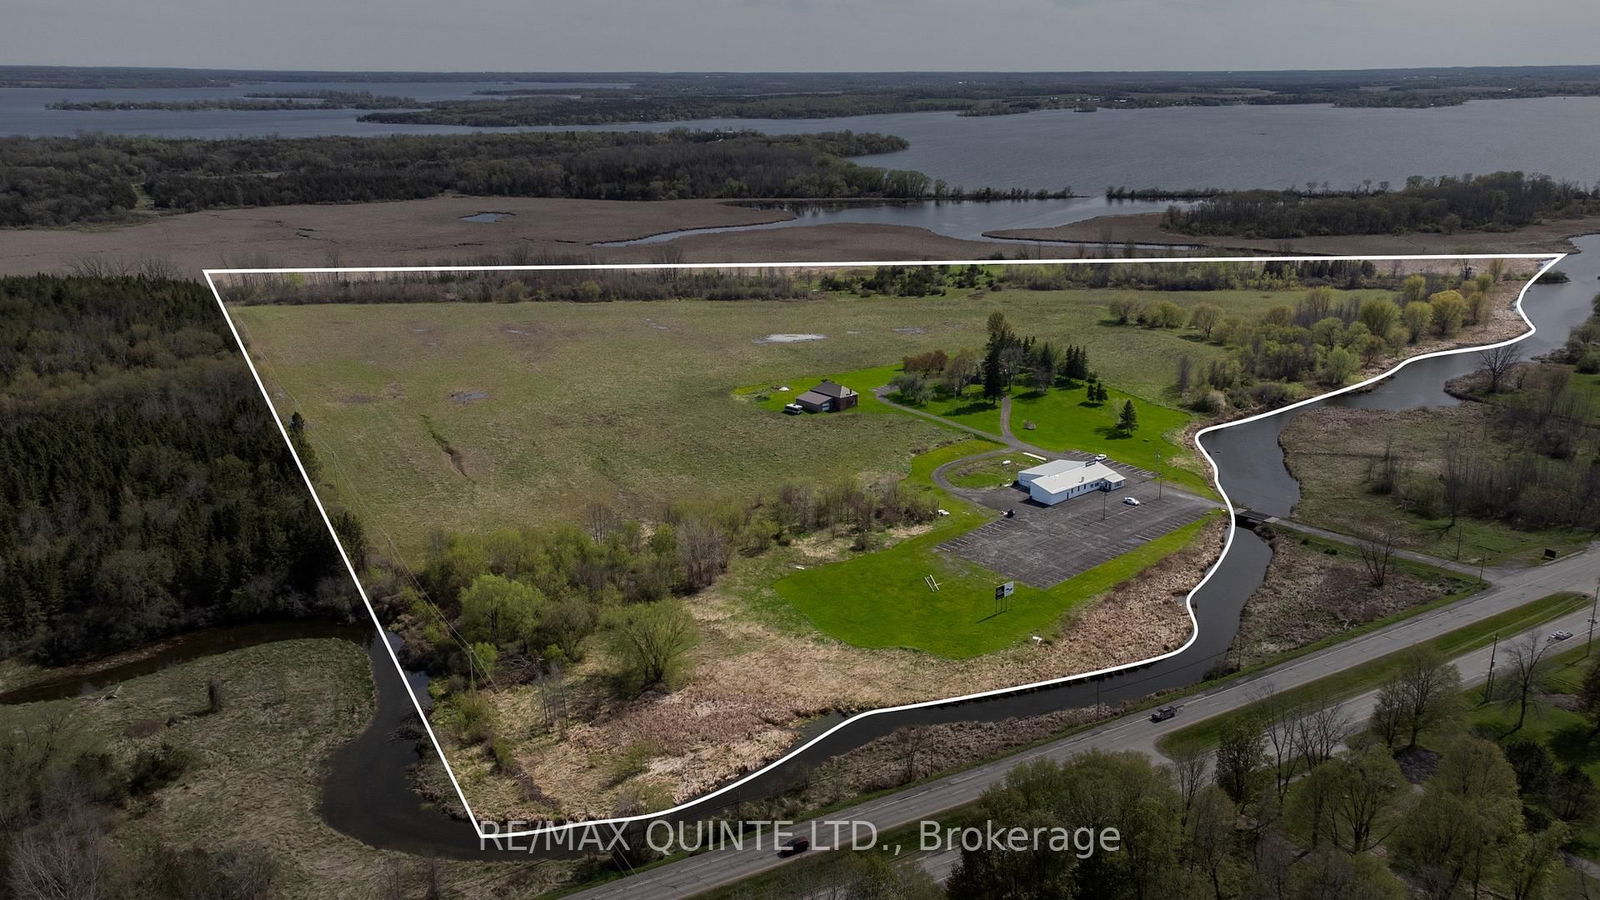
(466, 417)
(880, 599)
(1359, 679)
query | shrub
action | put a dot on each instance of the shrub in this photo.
(155, 768)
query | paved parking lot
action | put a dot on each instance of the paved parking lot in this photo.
(1045, 545)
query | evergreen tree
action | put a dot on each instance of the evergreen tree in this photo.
(1128, 421)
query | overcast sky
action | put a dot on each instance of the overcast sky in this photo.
(779, 35)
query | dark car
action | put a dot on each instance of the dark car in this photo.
(1163, 714)
(796, 844)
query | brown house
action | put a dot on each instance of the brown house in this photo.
(827, 397)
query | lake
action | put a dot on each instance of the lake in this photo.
(1177, 147)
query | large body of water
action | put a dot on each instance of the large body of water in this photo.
(1179, 147)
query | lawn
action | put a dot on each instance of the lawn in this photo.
(550, 407)
(989, 472)
(882, 600)
(1359, 679)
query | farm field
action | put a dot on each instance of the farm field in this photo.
(459, 416)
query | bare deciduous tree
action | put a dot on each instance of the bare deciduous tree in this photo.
(1498, 363)
(1528, 666)
(1375, 546)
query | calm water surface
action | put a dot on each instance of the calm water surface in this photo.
(1225, 147)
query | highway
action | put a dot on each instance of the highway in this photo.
(1135, 732)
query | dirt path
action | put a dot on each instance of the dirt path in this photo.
(1491, 573)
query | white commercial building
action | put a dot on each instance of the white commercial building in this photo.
(1063, 479)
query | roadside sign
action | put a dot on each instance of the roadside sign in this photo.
(1005, 590)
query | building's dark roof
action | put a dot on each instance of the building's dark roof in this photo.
(831, 389)
(813, 397)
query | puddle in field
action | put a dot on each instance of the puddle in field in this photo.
(487, 216)
(790, 338)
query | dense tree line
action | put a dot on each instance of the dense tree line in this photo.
(255, 102)
(1497, 202)
(63, 181)
(145, 489)
(558, 285)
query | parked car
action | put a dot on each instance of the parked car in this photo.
(1131, 501)
(1163, 714)
(1559, 636)
(796, 844)
(1099, 457)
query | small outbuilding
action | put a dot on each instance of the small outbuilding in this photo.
(829, 396)
(1062, 479)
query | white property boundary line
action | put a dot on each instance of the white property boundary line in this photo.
(1194, 632)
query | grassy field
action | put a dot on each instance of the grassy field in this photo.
(880, 599)
(547, 407)
(1329, 451)
(1359, 679)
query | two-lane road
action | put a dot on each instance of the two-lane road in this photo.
(696, 874)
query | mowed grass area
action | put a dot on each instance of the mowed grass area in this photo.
(1331, 451)
(468, 417)
(1367, 676)
(881, 599)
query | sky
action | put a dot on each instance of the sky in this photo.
(798, 35)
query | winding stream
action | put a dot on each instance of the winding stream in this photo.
(1251, 468)
(969, 220)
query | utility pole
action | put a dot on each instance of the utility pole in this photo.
(1103, 493)
(1488, 684)
(1458, 542)
(1161, 482)
(1593, 608)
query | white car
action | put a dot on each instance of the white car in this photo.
(1131, 501)
(1099, 457)
(1559, 636)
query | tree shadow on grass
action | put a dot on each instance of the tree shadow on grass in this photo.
(1575, 743)
(971, 409)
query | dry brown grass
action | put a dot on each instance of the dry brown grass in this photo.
(422, 232)
(256, 777)
(1309, 595)
(754, 685)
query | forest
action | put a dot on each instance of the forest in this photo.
(260, 100)
(105, 178)
(145, 490)
(1497, 202)
(603, 285)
